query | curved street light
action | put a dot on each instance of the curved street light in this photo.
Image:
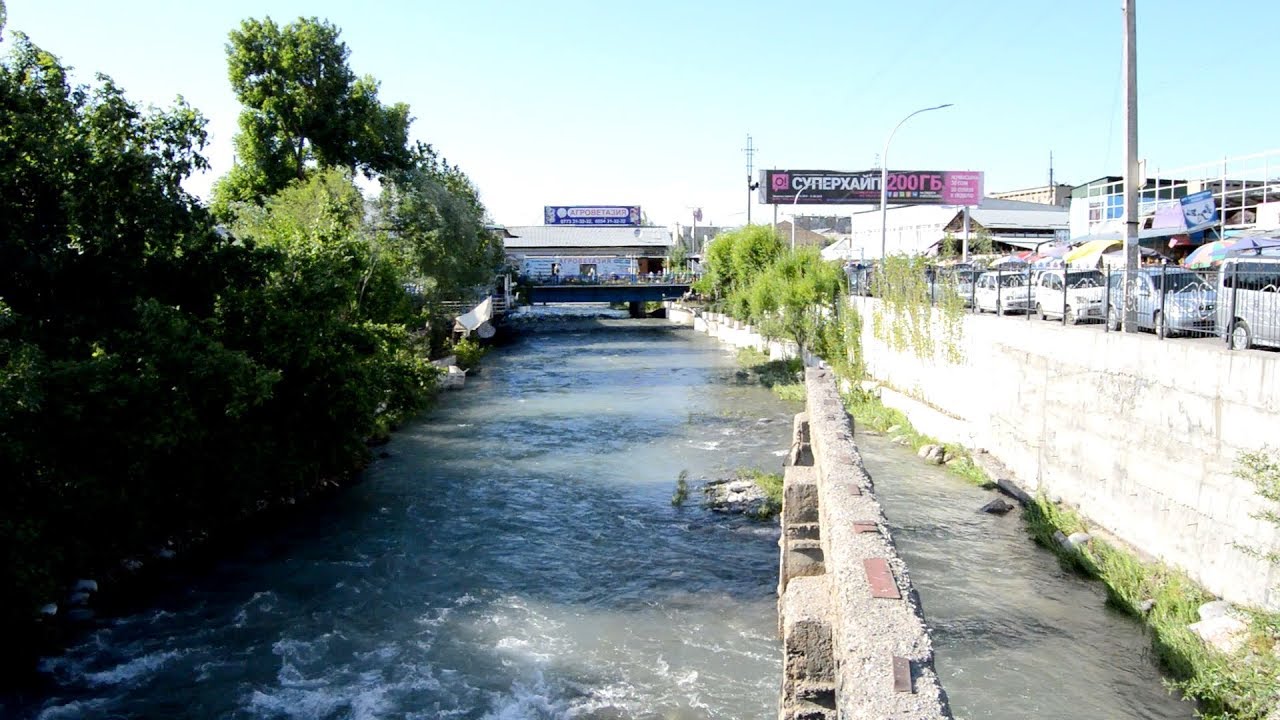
(884, 174)
(794, 200)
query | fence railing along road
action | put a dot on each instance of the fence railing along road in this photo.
(1238, 304)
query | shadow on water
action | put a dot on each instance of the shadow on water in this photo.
(516, 555)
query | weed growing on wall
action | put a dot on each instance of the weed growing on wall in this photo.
(916, 315)
(1262, 470)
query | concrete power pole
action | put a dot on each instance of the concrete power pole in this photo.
(1131, 254)
(750, 150)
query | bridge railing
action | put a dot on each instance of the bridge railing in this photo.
(613, 279)
(458, 307)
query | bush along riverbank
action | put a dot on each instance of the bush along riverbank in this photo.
(171, 371)
(1226, 659)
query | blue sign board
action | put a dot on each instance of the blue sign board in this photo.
(591, 214)
(1199, 209)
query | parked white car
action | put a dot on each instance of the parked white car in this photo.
(1002, 292)
(1079, 298)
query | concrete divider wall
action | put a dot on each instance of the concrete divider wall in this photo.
(1141, 434)
(847, 652)
(854, 638)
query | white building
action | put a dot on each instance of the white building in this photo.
(919, 229)
(582, 250)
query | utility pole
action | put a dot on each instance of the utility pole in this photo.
(1053, 189)
(1130, 164)
(750, 150)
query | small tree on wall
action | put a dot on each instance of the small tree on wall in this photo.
(982, 243)
(677, 256)
(950, 248)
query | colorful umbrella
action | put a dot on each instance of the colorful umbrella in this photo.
(1008, 260)
(1087, 254)
(1211, 255)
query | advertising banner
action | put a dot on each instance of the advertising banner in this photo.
(602, 267)
(1199, 209)
(904, 187)
(591, 214)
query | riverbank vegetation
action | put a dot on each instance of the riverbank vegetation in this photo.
(169, 369)
(1240, 685)
(771, 485)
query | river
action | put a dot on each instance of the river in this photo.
(516, 554)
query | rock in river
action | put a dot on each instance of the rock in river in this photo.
(734, 496)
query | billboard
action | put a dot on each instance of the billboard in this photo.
(904, 187)
(1199, 209)
(591, 214)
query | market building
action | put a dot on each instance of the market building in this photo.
(921, 229)
(586, 252)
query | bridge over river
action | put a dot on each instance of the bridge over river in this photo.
(635, 294)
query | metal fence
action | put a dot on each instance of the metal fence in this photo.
(1237, 304)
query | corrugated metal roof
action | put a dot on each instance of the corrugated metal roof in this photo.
(1020, 218)
(565, 236)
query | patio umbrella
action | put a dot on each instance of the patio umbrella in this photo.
(1211, 255)
(1087, 254)
(1008, 260)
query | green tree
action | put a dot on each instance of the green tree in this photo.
(304, 108)
(982, 243)
(796, 296)
(677, 257)
(433, 214)
(117, 395)
(950, 246)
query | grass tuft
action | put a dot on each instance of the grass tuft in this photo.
(682, 489)
(784, 377)
(771, 484)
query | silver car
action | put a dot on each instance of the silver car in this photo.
(1249, 301)
(1169, 301)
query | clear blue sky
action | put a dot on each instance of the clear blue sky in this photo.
(590, 102)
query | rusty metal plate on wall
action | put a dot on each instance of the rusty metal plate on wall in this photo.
(902, 675)
(880, 578)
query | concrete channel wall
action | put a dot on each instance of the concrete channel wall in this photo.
(855, 645)
(1142, 435)
(853, 633)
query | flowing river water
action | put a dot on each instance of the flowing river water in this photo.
(516, 555)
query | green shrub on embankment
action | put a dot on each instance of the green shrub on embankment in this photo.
(164, 377)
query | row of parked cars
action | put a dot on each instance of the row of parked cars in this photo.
(1240, 301)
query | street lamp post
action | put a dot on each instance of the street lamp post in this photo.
(884, 175)
(794, 200)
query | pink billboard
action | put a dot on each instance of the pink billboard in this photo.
(903, 187)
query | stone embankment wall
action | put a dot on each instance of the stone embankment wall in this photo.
(853, 634)
(855, 644)
(1142, 435)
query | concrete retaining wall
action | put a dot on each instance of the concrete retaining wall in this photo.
(854, 637)
(1141, 434)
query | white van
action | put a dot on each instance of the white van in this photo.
(1079, 299)
(1249, 301)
